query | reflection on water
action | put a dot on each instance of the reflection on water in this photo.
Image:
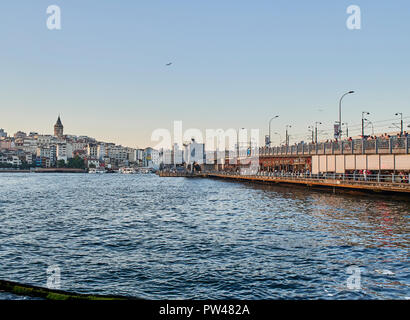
(159, 238)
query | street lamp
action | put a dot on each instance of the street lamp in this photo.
(270, 121)
(401, 121)
(371, 123)
(287, 135)
(340, 113)
(238, 141)
(347, 128)
(363, 113)
(316, 123)
(313, 132)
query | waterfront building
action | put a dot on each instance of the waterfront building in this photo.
(151, 158)
(3, 158)
(29, 158)
(117, 154)
(93, 163)
(194, 153)
(140, 157)
(177, 155)
(15, 161)
(132, 155)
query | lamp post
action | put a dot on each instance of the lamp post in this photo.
(287, 135)
(363, 119)
(316, 123)
(371, 123)
(340, 113)
(401, 121)
(347, 128)
(270, 121)
(313, 132)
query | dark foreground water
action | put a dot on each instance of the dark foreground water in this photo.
(174, 238)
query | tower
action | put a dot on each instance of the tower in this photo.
(58, 128)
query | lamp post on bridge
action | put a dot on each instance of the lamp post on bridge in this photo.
(270, 121)
(313, 132)
(401, 121)
(340, 114)
(287, 135)
(363, 119)
(316, 124)
(347, 128)
(371, 123)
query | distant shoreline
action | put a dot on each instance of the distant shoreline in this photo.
(46, 170)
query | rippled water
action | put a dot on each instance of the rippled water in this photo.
(173, 238)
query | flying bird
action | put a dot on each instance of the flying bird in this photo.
(168, 64)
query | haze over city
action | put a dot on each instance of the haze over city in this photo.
(234, 64)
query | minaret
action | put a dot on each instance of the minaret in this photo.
(58, 128)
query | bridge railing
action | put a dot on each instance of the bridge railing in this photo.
(356, 146)
(403, 179)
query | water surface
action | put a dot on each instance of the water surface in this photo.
(178, 238)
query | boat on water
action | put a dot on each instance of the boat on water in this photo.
(96, 170)
(145, 170)
(127, 171)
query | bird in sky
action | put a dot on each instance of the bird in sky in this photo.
(168, 64)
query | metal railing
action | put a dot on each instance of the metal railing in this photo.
(356, 177)
(357, 146)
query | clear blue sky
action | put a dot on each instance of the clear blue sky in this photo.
(235, 64)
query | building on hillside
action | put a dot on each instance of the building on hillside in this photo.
(62, 152)
(92, 151)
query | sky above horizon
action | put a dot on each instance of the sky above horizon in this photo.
(235, 64)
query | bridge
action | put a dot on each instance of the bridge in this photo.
(381, 154)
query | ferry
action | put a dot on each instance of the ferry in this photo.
(127, 170)
(96, 170)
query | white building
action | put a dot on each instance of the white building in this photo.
(62, 152)
(194, 152)
(30, 145)
(101, 151)
(93, 163)
(29, 158)
(151, 158)
(92, 151)
(44, 139)
(118, 153)
(14, 160)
